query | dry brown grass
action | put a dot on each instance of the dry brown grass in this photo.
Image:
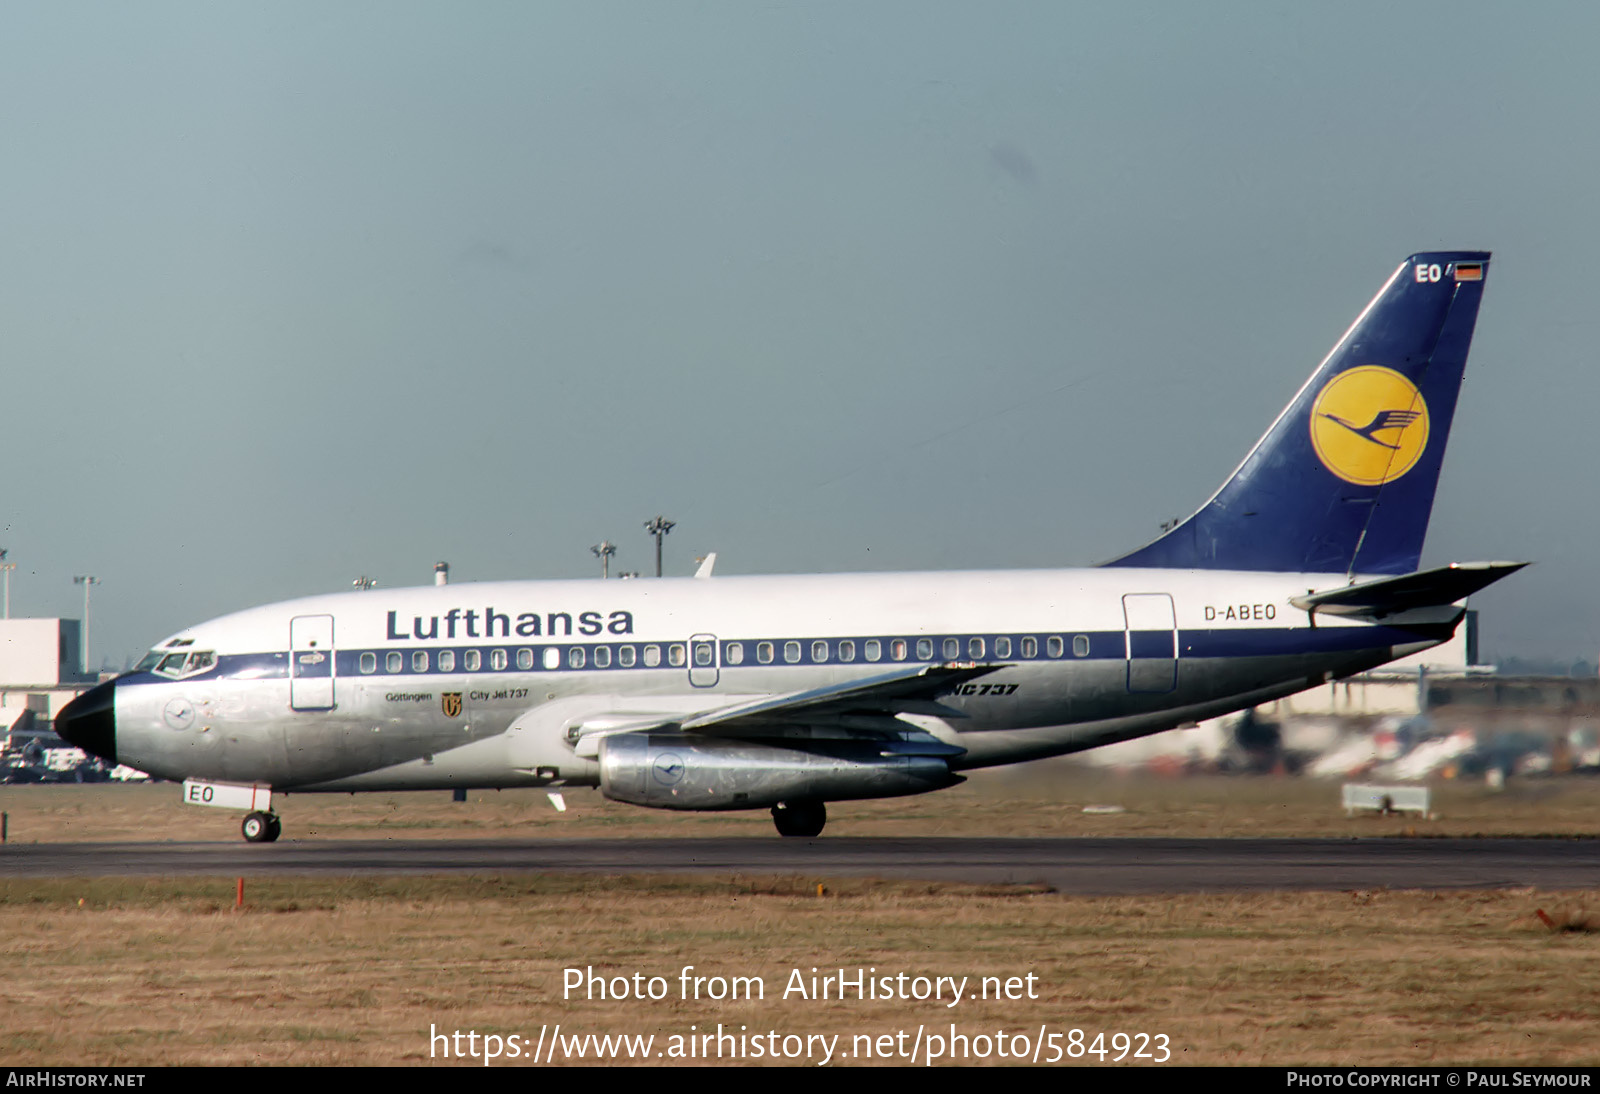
(1045, 799)
(357, 971)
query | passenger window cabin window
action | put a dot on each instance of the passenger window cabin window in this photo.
(734, 654)
(369, 663)
(1080, 645)
(524, 659)
(472, 660)
(703, 654)
(447, 660)
(924, 649)
(552, 658)
(1053, 645)
(419, 661)
(975, 648)
(394, 662)
(676, 655)
(764, 652)
(897, 649)
(952, 648)
(847, 650)
(791, 652)
(1002, 647)
(498, 660)
(819, 651)
(1030, 647)
(602, 657)
(873, 649)
(652, 656)
(625, 657)
(575, 657)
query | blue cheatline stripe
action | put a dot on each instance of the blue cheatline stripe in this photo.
(812, 651)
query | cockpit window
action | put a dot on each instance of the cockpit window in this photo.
(151, 660)
(175, 665)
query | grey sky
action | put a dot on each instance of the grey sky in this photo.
(293, 293)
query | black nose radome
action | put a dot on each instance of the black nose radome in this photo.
(90, 721)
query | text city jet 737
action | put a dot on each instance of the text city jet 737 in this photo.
(790, 692)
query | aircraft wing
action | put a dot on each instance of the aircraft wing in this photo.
(913, 690)
(1424, 589)
(867, 708)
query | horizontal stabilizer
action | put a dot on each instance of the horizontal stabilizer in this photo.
(1391, 595)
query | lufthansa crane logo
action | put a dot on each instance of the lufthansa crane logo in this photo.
(668, 768)
(1369, 425)
(179, 714)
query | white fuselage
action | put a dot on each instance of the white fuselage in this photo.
(493, 684)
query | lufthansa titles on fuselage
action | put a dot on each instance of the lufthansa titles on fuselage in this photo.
(465, 623)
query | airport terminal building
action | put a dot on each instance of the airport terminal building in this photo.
(41, 671)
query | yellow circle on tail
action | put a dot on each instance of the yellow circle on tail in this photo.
(1369, 425)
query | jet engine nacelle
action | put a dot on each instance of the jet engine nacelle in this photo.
(674, 772)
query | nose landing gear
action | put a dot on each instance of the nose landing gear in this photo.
(261, 827)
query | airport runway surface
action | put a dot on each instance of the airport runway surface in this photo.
(1097, 866)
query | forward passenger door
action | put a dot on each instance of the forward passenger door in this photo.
(311, 662)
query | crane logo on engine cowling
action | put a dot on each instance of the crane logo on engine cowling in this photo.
(668, 768)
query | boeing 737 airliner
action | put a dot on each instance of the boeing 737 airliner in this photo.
(790, 692)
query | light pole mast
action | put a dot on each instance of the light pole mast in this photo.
(603, 551)
(88, 581)
(6, 568)
(658, 527)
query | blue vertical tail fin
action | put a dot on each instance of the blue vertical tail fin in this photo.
(1344, 480)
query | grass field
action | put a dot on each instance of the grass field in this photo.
(126, 972)
(359, 971)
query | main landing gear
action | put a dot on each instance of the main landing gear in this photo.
(261, 827)
(800, 818)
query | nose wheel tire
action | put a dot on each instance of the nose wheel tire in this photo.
(261, 827)
(804, 819)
